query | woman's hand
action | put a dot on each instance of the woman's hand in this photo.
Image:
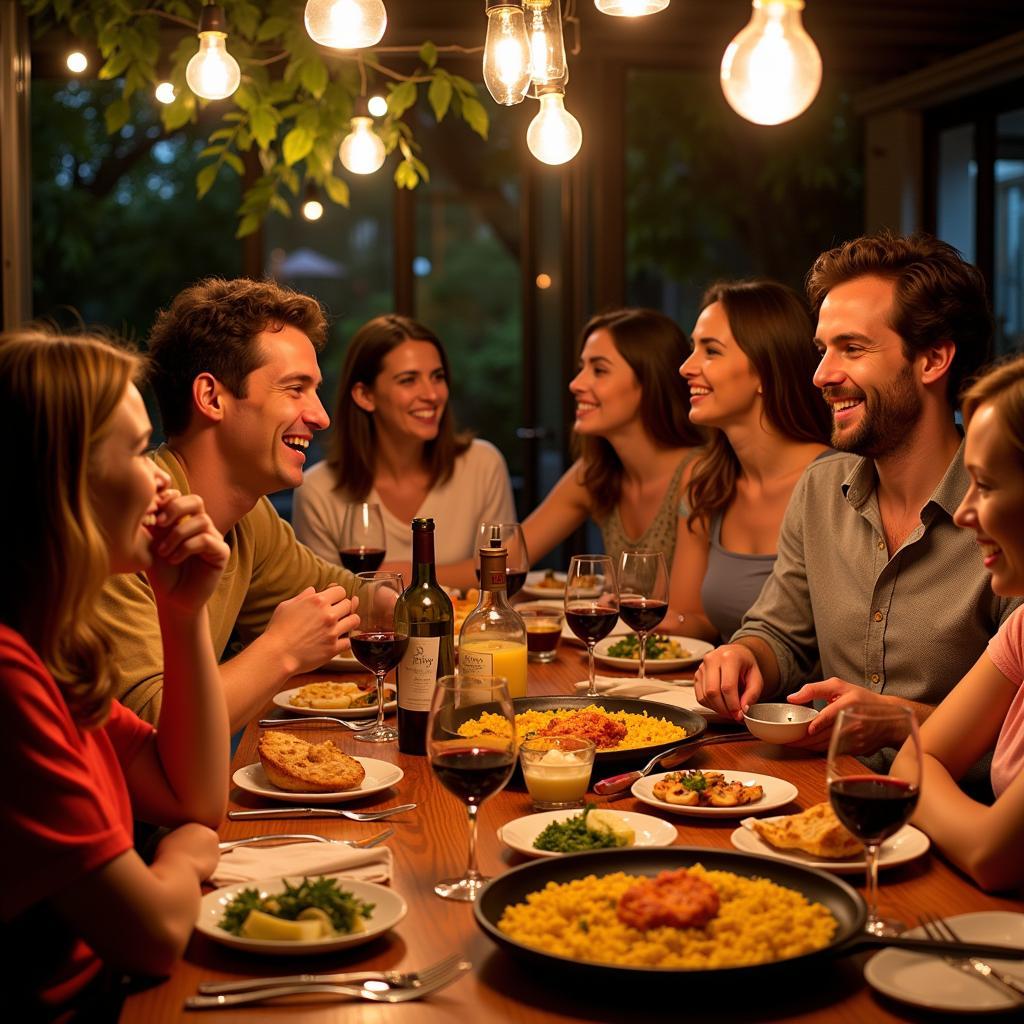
(189, 554)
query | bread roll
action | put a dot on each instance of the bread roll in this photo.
(300, 767)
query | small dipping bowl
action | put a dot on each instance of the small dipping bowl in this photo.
(543, 622)
(779, 723)
(556, 770)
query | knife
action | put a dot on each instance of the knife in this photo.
(318, 812)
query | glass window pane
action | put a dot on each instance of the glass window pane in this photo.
(1008, 284)
(957, 179)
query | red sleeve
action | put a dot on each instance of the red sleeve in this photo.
(66, 809)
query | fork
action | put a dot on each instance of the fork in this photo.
(940, 930)
(397, 979)
(318, 720)
(359, 844)
(373, 991)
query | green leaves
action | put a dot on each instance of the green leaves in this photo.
(440, 94)
(298, 143)
(475, 116)
(401, 98)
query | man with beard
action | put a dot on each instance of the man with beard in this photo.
(873, 579)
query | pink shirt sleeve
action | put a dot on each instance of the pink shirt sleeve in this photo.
(1006, 649)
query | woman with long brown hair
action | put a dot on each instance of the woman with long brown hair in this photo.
(77, 765)
(395, 444)
(632, 438)
(749, 379)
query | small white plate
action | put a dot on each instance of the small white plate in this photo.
(346, 663)
(697, 649)
(777, 793)
(520, 833)
(907, 844)
(531, 587)
(380, 775)
(282, 701)
(929, 982)
(388, 909)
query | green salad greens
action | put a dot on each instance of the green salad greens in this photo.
(591, 830)
(658, 646)
(343, 909)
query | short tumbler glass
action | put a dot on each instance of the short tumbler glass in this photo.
(557, 770)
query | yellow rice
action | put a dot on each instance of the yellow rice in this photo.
(641, 730)
(758, 922)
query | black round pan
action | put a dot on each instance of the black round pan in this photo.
(818, 886)
(607, 761)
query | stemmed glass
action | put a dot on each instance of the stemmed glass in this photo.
(472, 769)
(873, 807)
(643, 594)
(591, 603)
(363, 540)
(508, 536)
(377, 643)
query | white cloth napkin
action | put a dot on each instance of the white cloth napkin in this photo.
(248, 863)
(617, 686)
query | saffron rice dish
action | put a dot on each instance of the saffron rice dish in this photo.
(609, 730)
(757, 922)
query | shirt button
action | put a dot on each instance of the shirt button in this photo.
(875, 677)
(881, 545)
(878, 616)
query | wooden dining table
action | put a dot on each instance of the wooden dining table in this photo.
(431, 843)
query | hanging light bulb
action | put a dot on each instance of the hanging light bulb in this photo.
(213, 73)
(346, 24)
(554, 135)
(630, 8)
(771, 71)
(76, 62)
(506, 52)
(547, 47)
(378, 106)
(362, 150)
(312, 208)
(165, 93)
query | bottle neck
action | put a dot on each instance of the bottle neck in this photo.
(423, 570)
(493, 578)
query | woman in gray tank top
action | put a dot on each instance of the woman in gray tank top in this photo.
(749, 378)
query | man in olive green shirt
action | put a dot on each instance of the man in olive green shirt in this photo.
(234, 368)
(872, 577)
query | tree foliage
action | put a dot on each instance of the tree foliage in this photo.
(293, 107)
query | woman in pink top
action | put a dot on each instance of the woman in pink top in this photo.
(85, 501)
(987, 707)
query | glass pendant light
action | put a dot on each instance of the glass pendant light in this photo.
(213, 73)
(346, 24)
(554, 135)
(630, 8)
(362, 151)
(506, 52)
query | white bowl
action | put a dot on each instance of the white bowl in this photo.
(779, 723)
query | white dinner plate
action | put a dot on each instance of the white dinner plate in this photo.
(929, 982)
(388, 909)
(531, 587)
(777, 793)
(346, 662)
(380, 775)
(696, 648)
(282, 701)
(907, 844)
(520, 833)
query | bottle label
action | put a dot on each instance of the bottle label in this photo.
(479, 663)
(417, 673)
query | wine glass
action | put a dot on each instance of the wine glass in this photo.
(873, 807)
(377, 642)
(363, 540)
(472, 769)
(510, 537)
(591, 603)
(643, 595)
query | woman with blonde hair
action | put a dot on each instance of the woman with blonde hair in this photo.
(750, 382)
(87, 502)
(986, 709)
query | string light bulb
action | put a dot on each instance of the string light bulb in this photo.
(362, 150)
(213, 73)
(76, 62)
(547, 46)
(630, 8)
(312, 208)
(771, 71)
(346, 24)
(377, 105)
(506, 52)
(164, 92)
(554, 135)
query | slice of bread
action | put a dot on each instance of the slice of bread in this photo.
(816, 831)
(300, 767)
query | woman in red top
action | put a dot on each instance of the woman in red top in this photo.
(84, 501)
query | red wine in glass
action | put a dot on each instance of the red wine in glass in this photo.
(472, 773)
(591, 624)
(379, 652)
(362, 559)
(641, 614)
(872, 807)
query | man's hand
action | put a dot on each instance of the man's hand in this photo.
(188, 553)
(729, 680)
(841, 694)
(310, 628)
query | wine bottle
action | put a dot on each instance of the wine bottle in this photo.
(493, 637)
(425, 613)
